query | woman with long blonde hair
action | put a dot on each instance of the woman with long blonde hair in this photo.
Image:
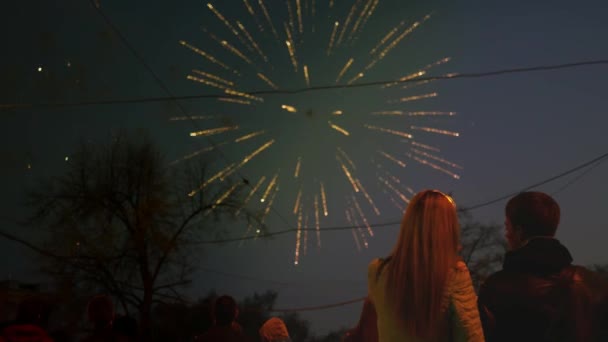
(423, 291)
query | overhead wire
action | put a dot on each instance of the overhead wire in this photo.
(12, 106)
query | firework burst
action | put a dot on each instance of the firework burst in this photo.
(334, 151)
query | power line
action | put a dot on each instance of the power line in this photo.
(320, 307)
(538, 68)
(398, 221)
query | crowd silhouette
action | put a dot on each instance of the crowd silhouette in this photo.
(421, 291)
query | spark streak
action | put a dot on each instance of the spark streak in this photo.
(251, 193)
(265, 11)
(250, 157)
(386, 37)
(272, 183)
(213, 77)
(338, 128)
(358, 76)
(299, 12)
(427, 147)
(324, 200)
(390, 131)
(252, 41)
(368, 198)
(206, 55)
(343, 71)
(298, 236)
(348, 175)
(195, 117)
(212, 131)
(249, 136)
(317, 225)
(350, 221)
(213, 178)
(267, 80)
(289, 108)
(345, 156)
(245, 95)
(435, 130)
(233, 100)
(292, 55)
(226, 195)
(306, 76)
(414, 98)
(392, 158)
(332, 38)
(296, 174)
(434, 166)
(348, 20)
(363, 218)
(395, 190)
(297, 203)
(437, 158)
(206, 82)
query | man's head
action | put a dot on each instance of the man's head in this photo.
(528, 215)
(225, 310)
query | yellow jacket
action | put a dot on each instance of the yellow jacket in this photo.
(460, 304)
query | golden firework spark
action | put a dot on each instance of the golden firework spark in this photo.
(353, 230)
(338, 128)
(306, 76)
(245, 95)
(392, 158)
(267, 15)
(343, 71)
(394, 189)
(435, 130)
(213, 131)
(437, 158)
(194, 117)
(251, 193)
(368, 197)
(348, 20)
(249, 136)
(234, 100)
(324, 200)
(348, 175)
(358, 76)
(225, 196)
(332, 38)
(362, 216)
(292, 54)
(212, 179)
(434, 166)
(424, 146)
(206, 82)
(213, 77)
(317, 224)
(272, 183)
(206, 55)
(414, 98)
(297, 203)
(345, 156)
(252, 41)
(299, 12)
(289, 108)
(337, 112)
(296, 173)
(298, 237)
(390, 131)
(267, 80)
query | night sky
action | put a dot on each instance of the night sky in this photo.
(514, 130)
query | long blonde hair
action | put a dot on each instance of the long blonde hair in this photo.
(420, 263)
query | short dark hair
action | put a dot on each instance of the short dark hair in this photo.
(224, 310)
(536, 213)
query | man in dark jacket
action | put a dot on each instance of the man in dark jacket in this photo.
(539, 295)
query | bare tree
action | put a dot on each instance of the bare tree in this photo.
(121, 221)
(483, 247)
